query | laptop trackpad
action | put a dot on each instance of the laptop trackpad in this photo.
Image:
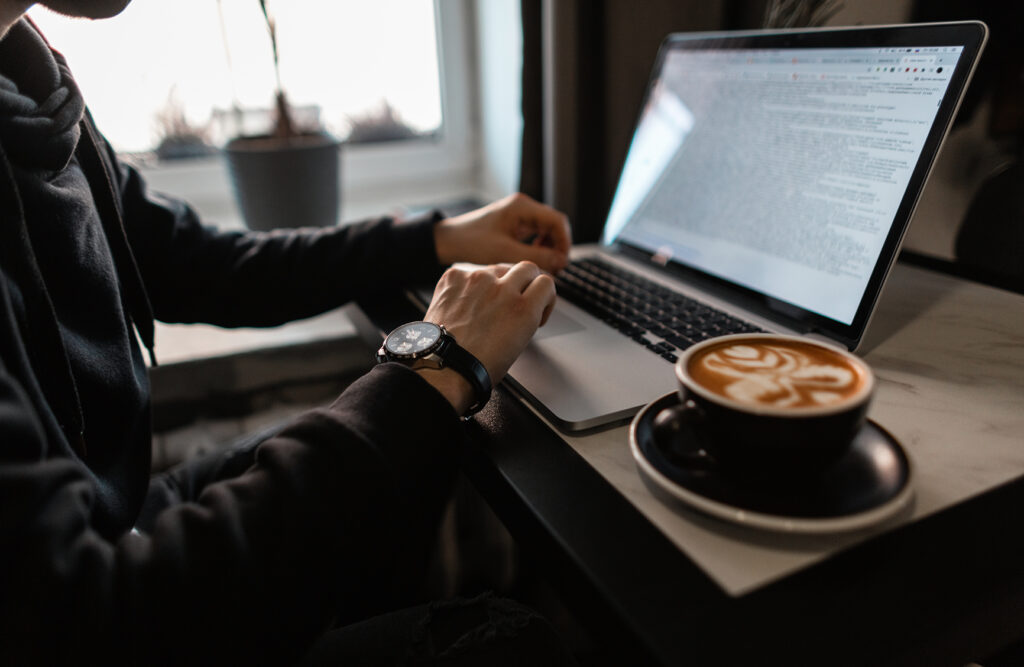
(589, 375)
(558, 324)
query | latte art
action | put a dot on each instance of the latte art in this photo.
(776, 374)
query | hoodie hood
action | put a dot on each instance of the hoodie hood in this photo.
(60, 208)
(40, 114)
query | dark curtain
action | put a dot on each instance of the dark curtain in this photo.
(585, 69)
(990, 242)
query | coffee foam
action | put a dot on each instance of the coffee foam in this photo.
(776, 374)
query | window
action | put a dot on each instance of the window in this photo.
(198, 66)
(344, 59)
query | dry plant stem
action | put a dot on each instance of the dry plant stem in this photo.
(236, 107)
(284, 127)
(272, 29)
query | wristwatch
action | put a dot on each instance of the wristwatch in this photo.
(429, 345)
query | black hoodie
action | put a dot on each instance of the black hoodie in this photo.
(88, 256)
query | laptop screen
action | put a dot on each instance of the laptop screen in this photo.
(781, 170)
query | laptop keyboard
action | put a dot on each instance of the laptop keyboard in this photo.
(654, 316)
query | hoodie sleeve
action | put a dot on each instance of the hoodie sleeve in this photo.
(194, 273)
(249, 574)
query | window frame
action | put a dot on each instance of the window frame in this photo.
(449, 155)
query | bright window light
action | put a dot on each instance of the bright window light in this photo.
(348, 61)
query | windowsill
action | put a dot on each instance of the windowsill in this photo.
(179, 343)
(206, 185)
(205, 370)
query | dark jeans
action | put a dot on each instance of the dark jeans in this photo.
(485, 630)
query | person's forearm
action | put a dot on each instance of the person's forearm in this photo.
(194, 273)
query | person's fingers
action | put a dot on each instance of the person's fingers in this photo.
(541, 293)
(551, 227)
(499, 270)
(555, 232)
(549, 259)
(521, 275)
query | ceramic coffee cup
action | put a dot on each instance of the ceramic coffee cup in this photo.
(768, 403)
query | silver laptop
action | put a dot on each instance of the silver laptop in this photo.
(770, 178)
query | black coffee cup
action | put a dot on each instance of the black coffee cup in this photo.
(766, 404)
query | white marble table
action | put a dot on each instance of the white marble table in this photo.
(949, 356)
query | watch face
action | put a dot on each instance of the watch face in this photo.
(413, 338)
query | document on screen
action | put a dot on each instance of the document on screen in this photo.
(781, 170)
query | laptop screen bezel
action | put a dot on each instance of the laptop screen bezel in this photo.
(970, 35)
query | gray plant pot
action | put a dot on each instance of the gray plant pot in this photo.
(286, 182)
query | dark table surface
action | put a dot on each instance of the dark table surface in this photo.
(944, 590)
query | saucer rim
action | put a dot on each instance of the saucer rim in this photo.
(763, 520)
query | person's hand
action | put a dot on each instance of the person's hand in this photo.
(509, 230)
(492, 312)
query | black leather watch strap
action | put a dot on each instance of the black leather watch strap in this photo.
(456, 357)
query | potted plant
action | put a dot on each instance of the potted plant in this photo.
(290, 176)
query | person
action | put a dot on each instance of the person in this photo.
(248, 557)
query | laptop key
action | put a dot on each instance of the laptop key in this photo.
(679, 341)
